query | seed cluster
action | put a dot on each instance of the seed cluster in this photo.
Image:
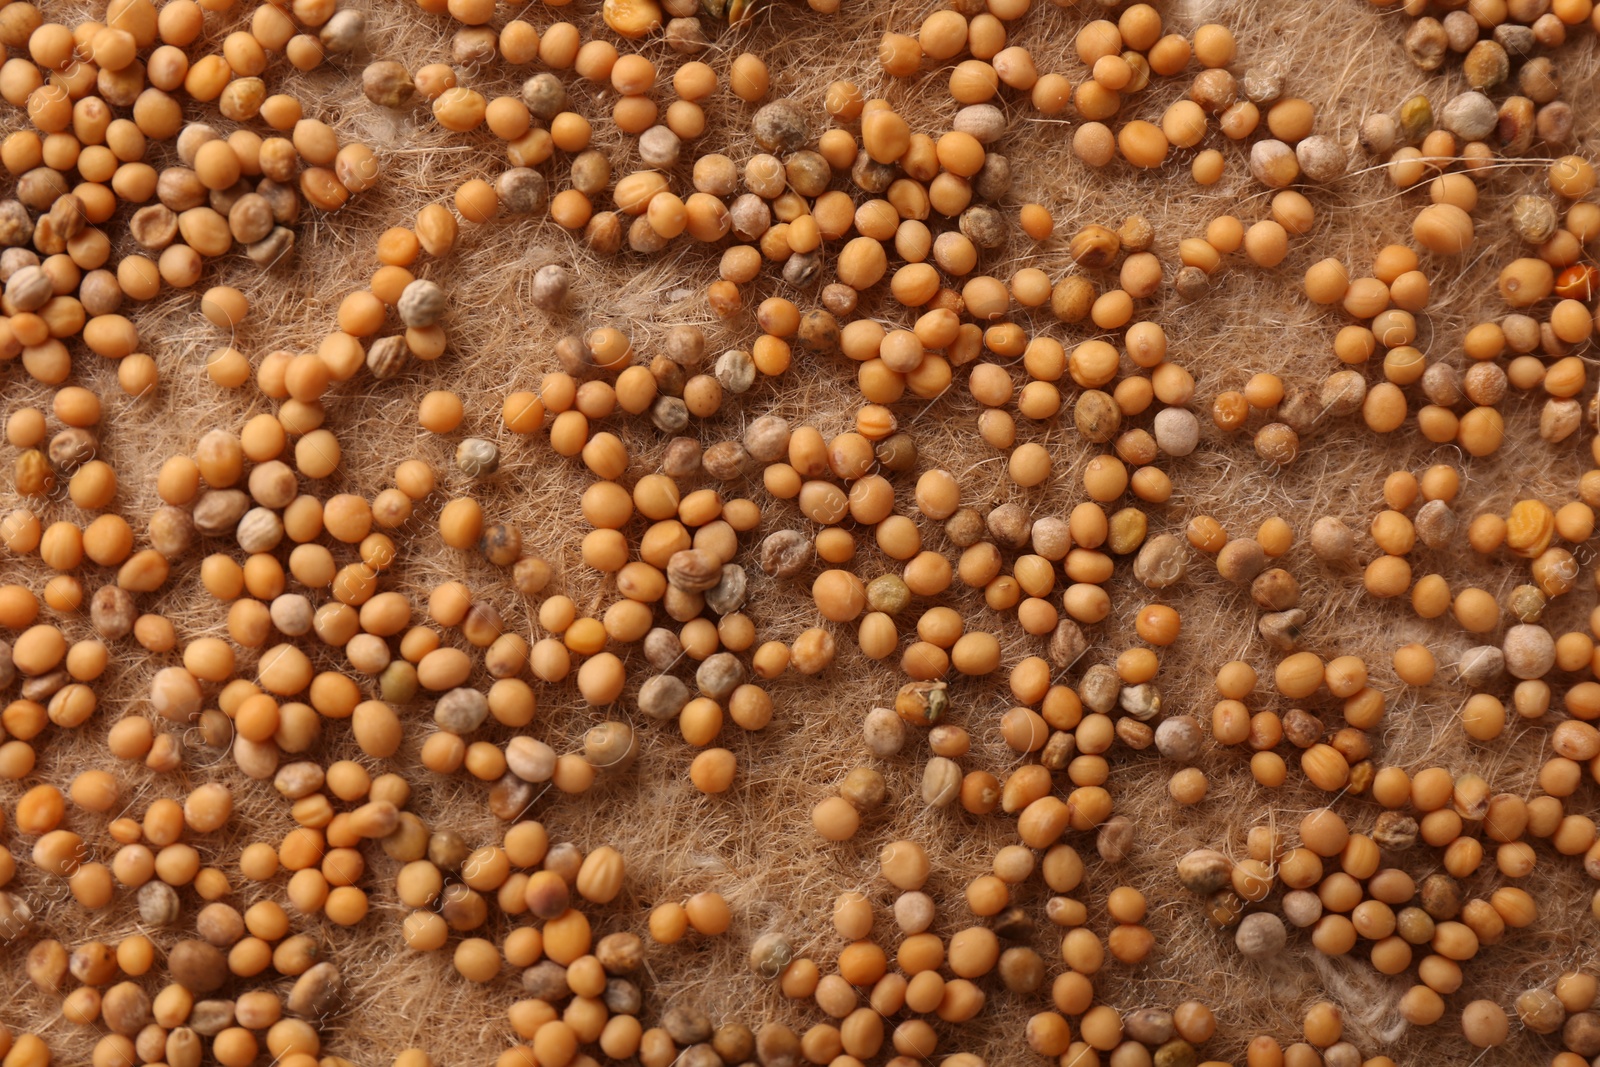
(888, 241)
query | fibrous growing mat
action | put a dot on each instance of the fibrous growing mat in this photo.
(949, 533)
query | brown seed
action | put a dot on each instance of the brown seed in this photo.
(965, 528)
(1541, 1011)
(547, 894)
(1160, 563)
(1067, 644)
(1115, 839)
(786, 553)
(1277, 444)
(125, 1008)
(1440, 896)
(1395, 831)
(1240, 560)
(777, 1046)
(1486, 65)
(1191, 283)
(1097, 415)
(1581, 1034)
(1072, 298)
(620, 953)
(1149, 1026)
(864, 788)
(197, 966)
(46, 965)
(95, 963)
(546, 981)
(725, 460)
(1301, 728)
(734, 1043)
(1534, 218)
(694, 570)
(33, 474)
(510, 797)
(686, 1025)
(387, 84)
(1275, 590)
(1427, 43)
(1204, 871)
(317, 993)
